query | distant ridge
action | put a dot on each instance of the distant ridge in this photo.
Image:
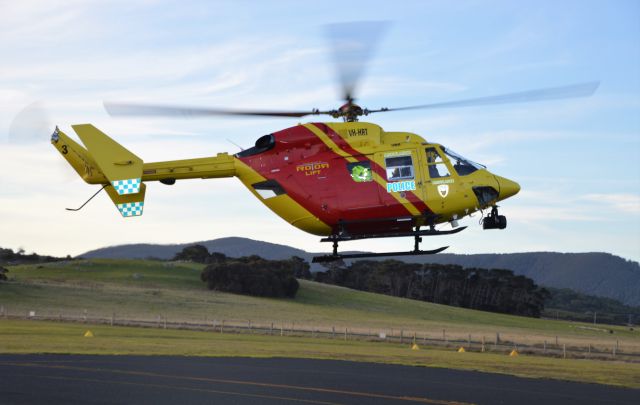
(232, 246)
(600, 274)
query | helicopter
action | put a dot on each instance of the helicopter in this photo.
(343, 181)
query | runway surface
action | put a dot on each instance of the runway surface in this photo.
(70, 379)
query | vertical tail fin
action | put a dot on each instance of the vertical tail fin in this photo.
(121, 167)
(106, 162)
(129, 205)
(77, 157)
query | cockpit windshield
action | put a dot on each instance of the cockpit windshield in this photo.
(461, 165)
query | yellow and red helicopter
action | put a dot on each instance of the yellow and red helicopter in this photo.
(343, 181)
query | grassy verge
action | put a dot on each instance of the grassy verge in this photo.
(54, 337)
(147, 290)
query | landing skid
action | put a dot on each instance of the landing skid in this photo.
(426, 232)
(417, 235)
(332, 258)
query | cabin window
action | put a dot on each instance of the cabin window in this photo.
(436, 166)
(399, 167)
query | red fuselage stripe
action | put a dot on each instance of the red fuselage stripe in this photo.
(344, 145)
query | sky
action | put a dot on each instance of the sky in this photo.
(577, 160)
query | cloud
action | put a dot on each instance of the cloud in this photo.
(622, 203)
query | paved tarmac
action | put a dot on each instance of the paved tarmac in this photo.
(75, 379)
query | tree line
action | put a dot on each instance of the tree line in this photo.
(251, 275)
(9, 257)
(493, 290)
(568, 304)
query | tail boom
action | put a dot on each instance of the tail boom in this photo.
(123, 174)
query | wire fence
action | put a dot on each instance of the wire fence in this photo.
(556, 346)
(600, 318)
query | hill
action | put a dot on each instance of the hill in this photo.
(599, 274)
(137, 289)
(136, 292)
(232, 247)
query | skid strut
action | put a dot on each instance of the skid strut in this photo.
(417, 235)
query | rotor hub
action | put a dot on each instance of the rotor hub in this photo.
(349, 112)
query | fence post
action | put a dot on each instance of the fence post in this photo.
(113, 315)
(444, 336)
(165, 321)
(482, 344)
(345, 333)
(544, 348)
(222, 326)
(613, 352)
(564, 350)
(469, 342)
(333, 332)
(424, 338)
(271, 330)
(281, 329)
(589, 349)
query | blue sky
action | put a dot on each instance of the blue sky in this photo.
(577, 160)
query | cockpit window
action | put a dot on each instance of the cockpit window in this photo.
(461, 165)
(435, 164)
(399, 167)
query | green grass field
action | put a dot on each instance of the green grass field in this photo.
(145, 290)
(53, 337)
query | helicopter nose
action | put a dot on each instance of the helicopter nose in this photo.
(507, 187)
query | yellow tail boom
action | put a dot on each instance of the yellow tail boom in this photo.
(122, 173)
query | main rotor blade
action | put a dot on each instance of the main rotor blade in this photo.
(353, 44)
(149, 110)
(549, 93)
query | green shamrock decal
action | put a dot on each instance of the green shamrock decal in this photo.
(360, 173)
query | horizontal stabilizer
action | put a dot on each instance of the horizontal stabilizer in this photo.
(121, 167)
(129, 205)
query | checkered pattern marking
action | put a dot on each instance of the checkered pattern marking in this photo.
(127, 186)
(131, 209)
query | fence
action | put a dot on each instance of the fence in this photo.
(553, 347)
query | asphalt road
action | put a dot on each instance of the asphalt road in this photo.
(70, 379)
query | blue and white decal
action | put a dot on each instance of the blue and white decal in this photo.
(401, 186)
(127, 186)
(133, 209)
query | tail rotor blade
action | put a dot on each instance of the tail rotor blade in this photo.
(31, 125)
